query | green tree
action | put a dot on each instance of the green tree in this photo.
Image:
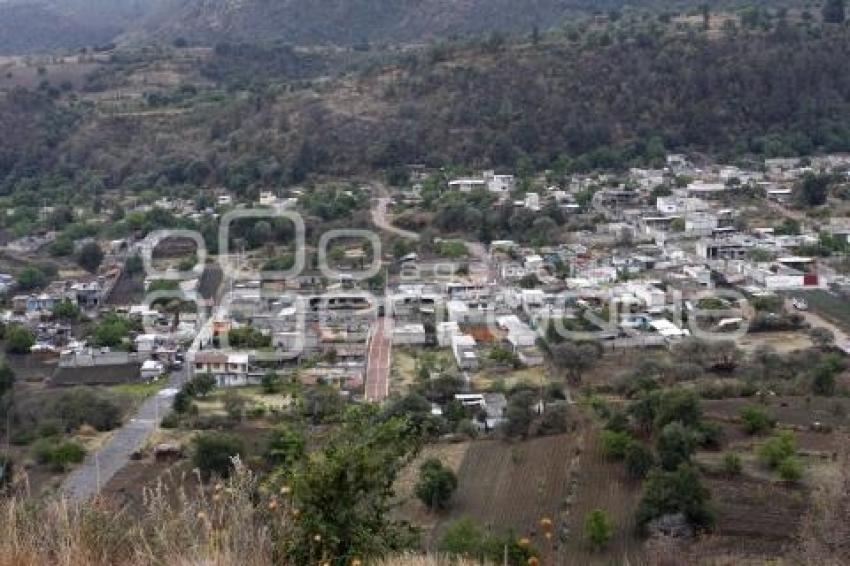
(90, 257)
(678, 491)
(676, 445)
(639, 460)
(201, 385)
(66, 310)
(19, 339)
(824, 378)
(463, 537)
(287, 447)
(732, 464)
(345, 490)
(436, 484)
(111, 332)
(755, 420)
(6, 470)
(575, 358)
(598, 529)
(790, 469)
(833, 12)
(271, 383)
(614, 444)
(7, 379)
(182, 402)
(134, 265)
(679, 405)
(31, 278)
(213, 453)
(778, 448)
(813, 189)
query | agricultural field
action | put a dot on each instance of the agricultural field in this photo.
(602, 484)
(510, 486)
(69, 74)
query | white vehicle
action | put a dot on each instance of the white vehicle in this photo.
(799, 304)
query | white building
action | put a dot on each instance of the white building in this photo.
(152, 369)
(467, 185)
(532, 201)
(409, 335)
(499, 183)
(463, 348)
(445, 332)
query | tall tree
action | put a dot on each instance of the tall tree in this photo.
(833, 12)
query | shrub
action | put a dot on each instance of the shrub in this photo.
(679, 491)
(598, 529)
(676, 444)
(6, 469)
(58, 455)
(777, 449)
(436, 484)
(732, 464)
(554, 420)
(101, 409)
(755, 420)
(790, 469)
(614, 443)
(213, 453)
(271, 383)
(639, 460)
(19, 339)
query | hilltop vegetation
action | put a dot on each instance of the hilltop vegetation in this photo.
(602, 98)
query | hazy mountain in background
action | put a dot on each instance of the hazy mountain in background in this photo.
(32, 27)
(28, 26)
(42, 25)
(355, 21)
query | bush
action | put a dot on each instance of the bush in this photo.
(676, 444)
(639, 460)
(598, 529)
(101, 409)
(213, 453)
(436, 484)
(19, 339)
(90, 257)
(614, 444)
(464, 537)
(679, 491)
(6, 469)
(58, 455)
(201, 385)
(732, 464)
(790, 469)
(755, 420)
(776, 449)
(554, 420)
(271, 383)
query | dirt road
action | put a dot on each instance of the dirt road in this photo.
(842, 338)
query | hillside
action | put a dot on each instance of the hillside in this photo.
(356, 21)
(45, 25)
(597, 101)
(26, 28)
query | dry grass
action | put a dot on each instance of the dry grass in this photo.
(225, 527)
(234, 522)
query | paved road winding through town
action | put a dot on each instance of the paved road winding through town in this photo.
(101, 465)
(378, 363)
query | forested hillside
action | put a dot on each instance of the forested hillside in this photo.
(47, 25)
(355, 21)
(600, 100)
